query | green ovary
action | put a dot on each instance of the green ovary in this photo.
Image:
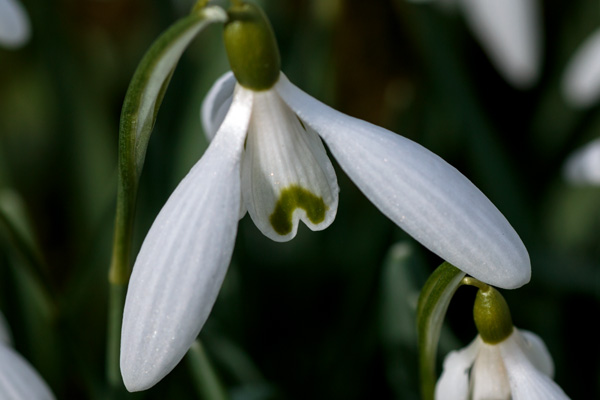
(296, 197)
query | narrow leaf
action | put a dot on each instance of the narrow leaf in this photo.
(433, 304)
(13, 217)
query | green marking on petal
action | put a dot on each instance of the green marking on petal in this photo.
(296, 197)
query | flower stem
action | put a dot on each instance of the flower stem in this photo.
(470, 281)
(207, 382)
(116, 302)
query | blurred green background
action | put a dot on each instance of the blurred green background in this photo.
(329, 314)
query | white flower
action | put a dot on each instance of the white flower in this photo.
(266, 157)
(583, 165)
(14, 24)
(510, 33)
(581, 81)
(18, 379)
(518, 368)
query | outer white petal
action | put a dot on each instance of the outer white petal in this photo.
(420, 192)
(282, 156)
(526, 381)
(536, 351)
(581, 82)
(488, 376)
(509, 30)
(454, 381)
(18, 379)
(14, 24)
(583, 165)
(217, 103)
(184, 258)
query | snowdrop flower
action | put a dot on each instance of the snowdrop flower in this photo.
(14, 24)
(18, 379)
(266, 157)
(510, 33)
(581, 80)
(583, 165)
(502, 362)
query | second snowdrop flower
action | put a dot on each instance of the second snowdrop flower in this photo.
(501, 363)
(266, 157)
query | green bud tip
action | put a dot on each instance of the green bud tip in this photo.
(492, 316)
(251, 47)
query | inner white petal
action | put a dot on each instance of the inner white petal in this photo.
(286, 174)
(488, 378)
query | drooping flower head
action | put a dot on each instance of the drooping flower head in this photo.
(502, 363)
(267, 157)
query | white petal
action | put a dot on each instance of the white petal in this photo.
(286, 174)
(454, 381)
(526, 381)
(14, 24)
(509, 30)
(581, 82)
(216, 103)
(488, 377)
(536, 351)
(214, 108)
(420, 192)
(184, 258)
(583, 165)
(18, 379)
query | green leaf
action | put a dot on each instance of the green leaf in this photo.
(140, 108)
(14, 218)
(433, 304)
